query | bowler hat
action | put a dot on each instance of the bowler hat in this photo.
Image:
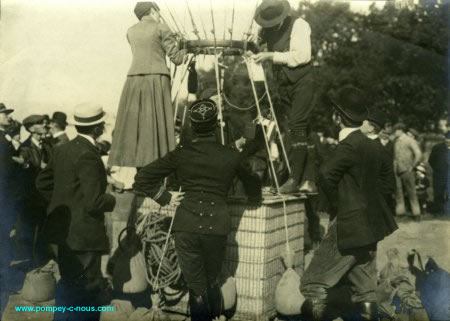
(143, 8)
(203, 115)
(88, 114)
(377, 116)
(5, 110)
(32, 120)
(350, 102)
(60, 118)
(272, 12)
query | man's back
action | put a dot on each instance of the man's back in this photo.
(75, 184)
(351, 180)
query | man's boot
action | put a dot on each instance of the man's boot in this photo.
(314, 310)
(309, 177)
(215, 300)
(297, 162)
(199, 307)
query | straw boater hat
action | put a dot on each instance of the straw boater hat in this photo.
(351, 103)
(272, 12)
(88, 114)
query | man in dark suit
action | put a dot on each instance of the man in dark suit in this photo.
(205, 170)
(10, 191)
(359, 216)
(34, 156)
(75, 184)
(372, 127)
(58, 124)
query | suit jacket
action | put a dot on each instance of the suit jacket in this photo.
(387, 178)
(59, 140)
(150, 42)
(75, 184)
(205, 170)
(351, 181)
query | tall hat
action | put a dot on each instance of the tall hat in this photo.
(143, 8)
(203, 116)
(272, 12)
(60, 118)
(88, 114)
(350, 102)
(5, 110)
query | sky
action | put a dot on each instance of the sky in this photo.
(55, 54)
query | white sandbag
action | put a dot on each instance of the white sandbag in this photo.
(122, 311)
(229, 293)
(39, 286)
(288, 299)
(129, 273)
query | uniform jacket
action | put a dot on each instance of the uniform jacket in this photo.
(351, 182)
(205, 170)
(150, 43)
(75, 183)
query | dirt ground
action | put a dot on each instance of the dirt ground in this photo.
(430, 237)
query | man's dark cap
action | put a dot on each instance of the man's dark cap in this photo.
(377, 116)
(203, 116)
(32, 120)
(4, 109)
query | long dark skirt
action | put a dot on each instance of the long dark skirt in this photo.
(144, 129)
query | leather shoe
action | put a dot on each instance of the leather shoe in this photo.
(290, 187)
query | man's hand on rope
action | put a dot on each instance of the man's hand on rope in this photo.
(262, 56)
(176, 198)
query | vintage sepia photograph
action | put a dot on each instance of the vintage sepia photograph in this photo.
(213, 160)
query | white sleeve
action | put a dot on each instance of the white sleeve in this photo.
(299, 47)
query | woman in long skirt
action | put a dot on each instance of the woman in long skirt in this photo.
(144, 129)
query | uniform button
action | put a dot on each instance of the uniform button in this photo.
(211, 215)
(200, 227)
(212, 203)
(201, 202)
(210, 227)
(201, 214)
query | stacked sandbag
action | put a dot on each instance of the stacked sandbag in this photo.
(121, 311)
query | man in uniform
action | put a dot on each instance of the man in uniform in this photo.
(75, 184)
(205, 170)
(359, 216)
(289, 48)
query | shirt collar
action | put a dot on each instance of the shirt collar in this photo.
(373, 136)
(58, 134)
(343, 134)
(36, 142)
(89, 138)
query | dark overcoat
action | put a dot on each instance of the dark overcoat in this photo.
(351, 181)
(74, 182)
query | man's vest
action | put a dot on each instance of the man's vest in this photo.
(279, 40)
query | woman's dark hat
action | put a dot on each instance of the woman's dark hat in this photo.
(351, 103)
(143, 8)
(5, 110)
(60, 118)
(203, 116)
(272, 12)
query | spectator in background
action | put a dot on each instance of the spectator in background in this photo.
(422, 183)
(10, 191)
(35, 153)
(407, 155)
(438, 161)
(58, 125)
